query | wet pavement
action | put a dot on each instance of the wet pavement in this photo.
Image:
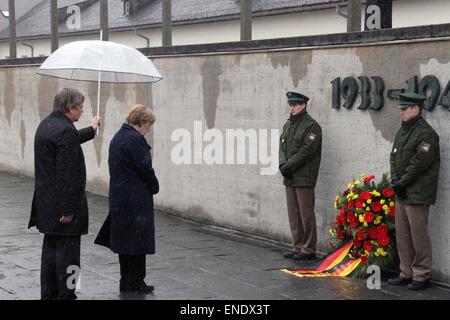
(193, 261)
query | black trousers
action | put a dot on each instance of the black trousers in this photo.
(58, 254)
(132, 271)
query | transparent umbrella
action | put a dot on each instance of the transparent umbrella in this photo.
(100, 61)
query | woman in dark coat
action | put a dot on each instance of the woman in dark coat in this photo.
(129, 229)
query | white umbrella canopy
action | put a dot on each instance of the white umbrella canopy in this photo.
(87, 60)
(100, 61)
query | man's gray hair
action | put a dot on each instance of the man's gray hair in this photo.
(67, 98)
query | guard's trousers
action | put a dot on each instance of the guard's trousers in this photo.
(413, 241)
(302, 219)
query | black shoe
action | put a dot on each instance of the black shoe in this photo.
(418, 285)
(146, 289)
(399, 281)
(143, 289)
(289, 254)
(303, 256)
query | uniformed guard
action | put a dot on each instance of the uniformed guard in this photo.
(415, 160)
(300, 155)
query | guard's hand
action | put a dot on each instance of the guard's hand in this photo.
(286, 172)
(66, 219)
(96, 122)
(399, 190)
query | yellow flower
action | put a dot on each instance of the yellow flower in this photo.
(355, 196)
(368, 209)
(380, 251)
(376, 221)
(376, 193)
(369, 201)
(350, 186)
(386, 212)
(382, 201)
(361, 218)
(365, 224)
(385, 207)
(392, 203)
(357, 182)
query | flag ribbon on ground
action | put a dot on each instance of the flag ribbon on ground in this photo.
(337, 264)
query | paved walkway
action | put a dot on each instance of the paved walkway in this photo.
(193, 261)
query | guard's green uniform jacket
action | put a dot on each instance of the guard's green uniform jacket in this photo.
(301, 149)
(415, 160)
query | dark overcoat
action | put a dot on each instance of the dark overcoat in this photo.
(301, 150)
(60, 177)
(129, 228)
(415, 161)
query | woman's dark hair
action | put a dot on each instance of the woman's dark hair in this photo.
(66, 99)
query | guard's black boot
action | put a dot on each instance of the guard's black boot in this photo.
(418, 285)
(289, 254)
(304, 256)
(399, 281)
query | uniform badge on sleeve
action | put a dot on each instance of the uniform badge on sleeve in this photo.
(425, 147)
(312, 136)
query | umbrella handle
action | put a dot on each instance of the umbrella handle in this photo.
(99, 84)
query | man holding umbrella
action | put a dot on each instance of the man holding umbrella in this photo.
(59, 209)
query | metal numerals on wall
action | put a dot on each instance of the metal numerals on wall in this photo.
(372, 97)
(348, 89)
(428, 86)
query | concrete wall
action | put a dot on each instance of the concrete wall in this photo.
(245, 91)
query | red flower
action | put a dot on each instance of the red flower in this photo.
(373, 233)
(366, 195)
(357, 243)
(343, 209)
(351, 204)
(391, 211)
(376, 206)
(383, 229)
(387, 193)
(359, 203)
(383, 240)
(361, 234)
(364, 259)
(339, 220)
(369, 178)
(340, 234)
(368, 246)
(368, 217)
(354, 223)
